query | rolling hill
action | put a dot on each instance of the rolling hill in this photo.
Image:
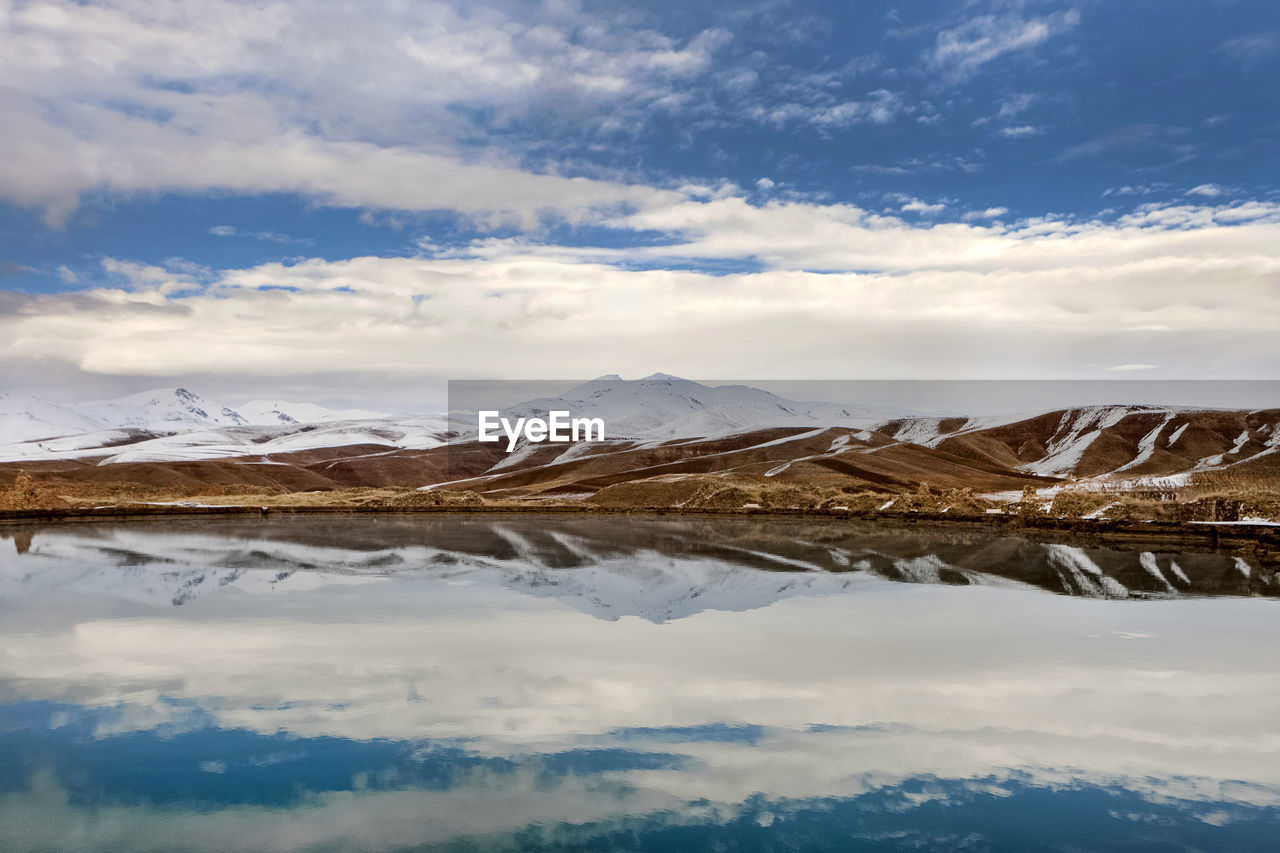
(662, 430)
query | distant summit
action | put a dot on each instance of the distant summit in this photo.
(666, 406)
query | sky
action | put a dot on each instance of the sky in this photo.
(349, 203)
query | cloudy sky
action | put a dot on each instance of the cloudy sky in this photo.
(351, 202)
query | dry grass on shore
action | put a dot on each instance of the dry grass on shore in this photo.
(27, 494)
(734, 493)
(1209, 497)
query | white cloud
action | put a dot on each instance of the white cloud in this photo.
(693, 58)
(126, 154)
(1015, 105)
(838, 237)
(269, 236)
(915, 205)
(879, 107)
(1140, 189)
(1010, 108)
(128, 98)
(946, 300)
(961, 51)
(1207, 191)
(189, 97)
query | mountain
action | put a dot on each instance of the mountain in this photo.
(28, 418)
(163, 411)
(665, 406)
(177, 424)
(1134, 443)
(275, 413)
(1100, 447)
(684, 439)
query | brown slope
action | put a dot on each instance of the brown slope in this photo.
(308, 470)
(1204, 434)
(808, 456)
(912, 464)
(1119, 445)
(614, 462)
(984, 460)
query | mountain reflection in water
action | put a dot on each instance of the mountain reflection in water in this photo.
(387, 683)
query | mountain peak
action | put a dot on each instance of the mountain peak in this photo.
(658, 377)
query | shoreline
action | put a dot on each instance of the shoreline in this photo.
(1261, 540)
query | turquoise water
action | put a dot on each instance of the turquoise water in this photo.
(550, 683)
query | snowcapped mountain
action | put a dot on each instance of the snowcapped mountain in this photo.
(164, 410)
(405, 432)
(28, 418)
(659, 426)
(275, 413)
(175, 425)
(664, 406)
(1160, 445)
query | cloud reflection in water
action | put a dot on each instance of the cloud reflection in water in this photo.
(619, 683)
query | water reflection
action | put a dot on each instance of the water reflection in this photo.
(649, 567)
(577, 683)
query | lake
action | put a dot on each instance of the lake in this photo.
(530, 682)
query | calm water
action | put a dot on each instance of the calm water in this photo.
(347, 683)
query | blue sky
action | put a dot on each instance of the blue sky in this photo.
(421, 188)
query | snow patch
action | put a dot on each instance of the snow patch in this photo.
(1078, 429)
(1147, 445)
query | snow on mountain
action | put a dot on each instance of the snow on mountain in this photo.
(178, 425)
(1078, 429)
(1109, 441)
(35, 429)
(1147, 447)
(663, 406)
(167, 410)
(275, 412)
(929, 431)
(408, 432)
(28, 418)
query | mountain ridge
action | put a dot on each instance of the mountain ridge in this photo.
(661, 428)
